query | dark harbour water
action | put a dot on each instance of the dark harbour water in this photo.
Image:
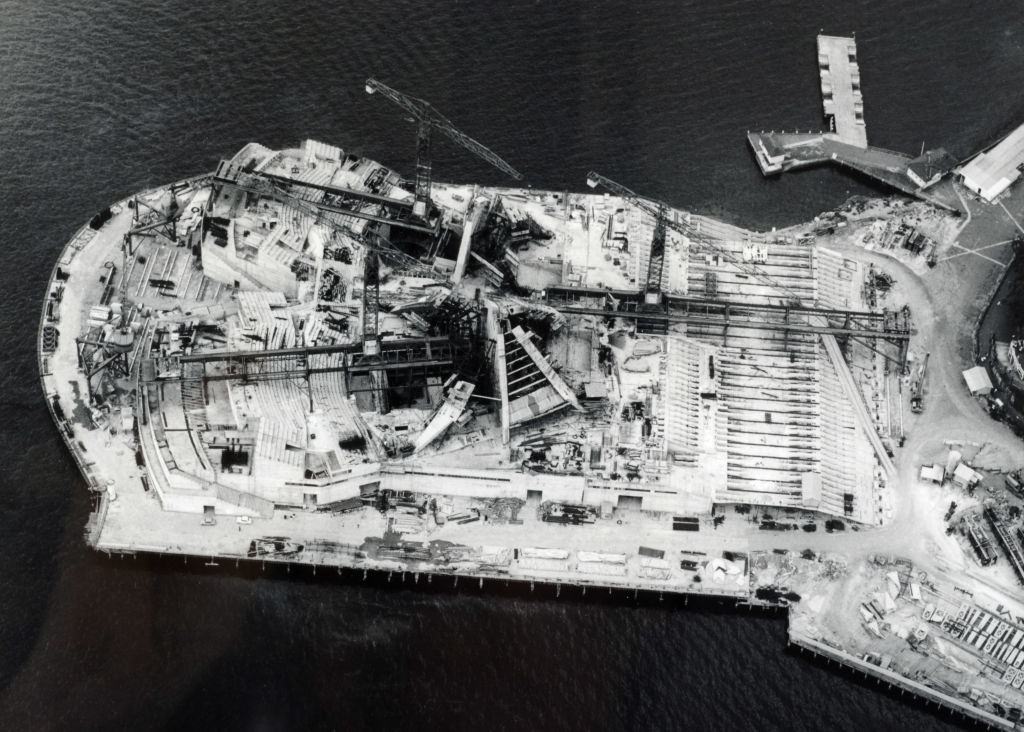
(100, 99)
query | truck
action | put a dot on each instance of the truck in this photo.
(1013, 483)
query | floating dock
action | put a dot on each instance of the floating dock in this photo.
(840, 89)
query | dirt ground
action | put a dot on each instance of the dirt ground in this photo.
(946, 301)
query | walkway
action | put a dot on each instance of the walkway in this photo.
(840, 88)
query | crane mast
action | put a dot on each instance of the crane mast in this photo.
(421, 207)
(656, 264)
(427, 120)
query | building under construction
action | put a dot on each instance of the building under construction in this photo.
(305, 332)
(317, 346)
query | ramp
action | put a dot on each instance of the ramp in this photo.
(860, 410)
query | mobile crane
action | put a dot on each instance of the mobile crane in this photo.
(917, 386)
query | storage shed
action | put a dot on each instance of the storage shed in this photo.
(978, 381)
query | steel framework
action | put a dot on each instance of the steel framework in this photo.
(404, 363)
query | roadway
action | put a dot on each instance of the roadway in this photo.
(917, 530)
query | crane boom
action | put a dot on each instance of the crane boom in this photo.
(339, 220)
(917, 386)
(428, 119)
(358, 204)
(657, 209)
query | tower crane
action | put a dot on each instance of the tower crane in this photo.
(376, 248)
(658, 210)
(427, 120)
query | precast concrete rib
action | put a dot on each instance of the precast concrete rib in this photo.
(835, 355)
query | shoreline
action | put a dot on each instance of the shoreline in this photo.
(544, 590)
(348, 564)
(1017, 261)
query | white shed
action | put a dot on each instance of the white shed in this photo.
(964, 476)
(978, 381)
(992, 172)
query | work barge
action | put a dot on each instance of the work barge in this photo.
(302, 359)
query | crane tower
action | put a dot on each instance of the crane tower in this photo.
(427, 120)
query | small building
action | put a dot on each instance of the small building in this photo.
(978, 381)
(928, 169)
(966, 477)
(770, 155)
(992, 172)
(933, 474)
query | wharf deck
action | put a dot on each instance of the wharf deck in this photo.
(779, 152)
(137, 523)
(917, 689)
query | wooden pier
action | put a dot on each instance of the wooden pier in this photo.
(840, 89)
(895, 680)
(845, 144)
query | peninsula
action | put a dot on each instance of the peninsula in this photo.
(305, 358)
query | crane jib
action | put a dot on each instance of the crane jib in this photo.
(429, 119)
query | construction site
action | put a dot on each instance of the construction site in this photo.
(305, 357)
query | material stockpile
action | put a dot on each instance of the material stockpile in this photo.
(404, 522)
(655, 568)
(600, 563)
(503, 510)
(544, 559)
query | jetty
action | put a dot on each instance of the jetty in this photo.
(303, 361)
(845, 142)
